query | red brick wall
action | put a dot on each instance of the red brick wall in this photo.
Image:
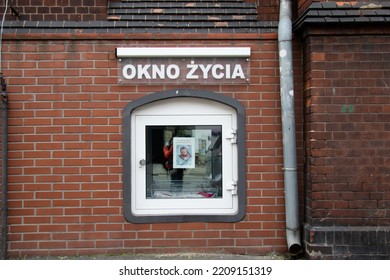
(65, 154)
(302, 5)
(48, 10)
(347, 130)
(268, 9)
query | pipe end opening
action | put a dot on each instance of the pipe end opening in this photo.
(295, 249)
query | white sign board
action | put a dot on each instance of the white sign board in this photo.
(184, 66)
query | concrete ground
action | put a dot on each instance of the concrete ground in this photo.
(178, 256)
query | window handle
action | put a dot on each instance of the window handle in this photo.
(232, 187)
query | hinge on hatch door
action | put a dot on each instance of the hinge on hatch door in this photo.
(233, 136)
(233, 187)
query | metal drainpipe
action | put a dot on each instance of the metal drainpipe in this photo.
(4, 151)
(4, 145)
(288, 126)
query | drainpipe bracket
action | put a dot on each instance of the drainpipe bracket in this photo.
(289, 169)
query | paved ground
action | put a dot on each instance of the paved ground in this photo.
(182, 256)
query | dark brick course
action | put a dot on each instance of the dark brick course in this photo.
(344, 12)
(368, 243)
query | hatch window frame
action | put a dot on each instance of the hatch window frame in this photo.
(130, 162)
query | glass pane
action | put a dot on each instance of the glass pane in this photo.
(183, 162)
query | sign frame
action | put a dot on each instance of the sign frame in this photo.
(207, 66)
